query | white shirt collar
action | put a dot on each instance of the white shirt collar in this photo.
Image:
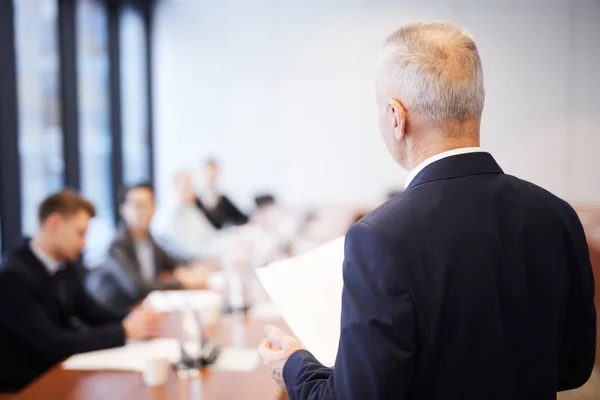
(52, 266)
(464, 150)
(145, 255)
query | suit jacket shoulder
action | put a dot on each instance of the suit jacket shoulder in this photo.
(28, 272)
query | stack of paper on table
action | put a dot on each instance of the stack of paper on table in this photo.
(208, 304)
(237, 360)
(173, 300)
(264, 310)
(307, 290)
(131, 357)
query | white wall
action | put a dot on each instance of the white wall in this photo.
(283, 94)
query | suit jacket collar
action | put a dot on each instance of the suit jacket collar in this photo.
(126, 244)
(52, 266)
(456, 167)
(34, 264)
(34, 270)
(53, 289)
(124, 235)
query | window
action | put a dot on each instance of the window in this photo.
(95, 140)
(136, 148)
(40, 134)
(52, 135)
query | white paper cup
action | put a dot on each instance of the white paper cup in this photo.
(156, 371)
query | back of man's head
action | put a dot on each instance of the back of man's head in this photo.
(64, 218)
(65, 203)
(434, 69)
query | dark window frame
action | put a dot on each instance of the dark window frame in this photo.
(10, 171)
(67, 42)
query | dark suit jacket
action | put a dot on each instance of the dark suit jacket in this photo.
(118, 283)
(44, 319)
(225, 212)
(469, 285)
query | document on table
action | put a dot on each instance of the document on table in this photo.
(236, 360)
(131, 357)
(307, 290)
(173, 300)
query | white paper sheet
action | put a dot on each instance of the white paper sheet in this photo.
(131, 357)
(236, 360)
(173, 300)
(217, 281)
(208, 304)
(307, 290)
(264, 310)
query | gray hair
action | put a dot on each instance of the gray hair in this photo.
(434, 68)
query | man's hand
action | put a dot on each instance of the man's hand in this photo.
(192, 278)
(143, 323)
(275, 350)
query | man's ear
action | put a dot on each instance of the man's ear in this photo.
(52, 220)
(398, 114)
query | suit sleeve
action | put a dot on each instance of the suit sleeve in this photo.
(579, 342)
(234, 214)
(130, 280)
(29, 322)
(375, 358)
(168, 262)
(215, 223)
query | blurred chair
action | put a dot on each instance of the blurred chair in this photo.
(590, 219)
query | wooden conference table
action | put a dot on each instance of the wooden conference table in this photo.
(244, 332)
(59, 384)
(590, 219)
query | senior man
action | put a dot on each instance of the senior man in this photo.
(471, 284)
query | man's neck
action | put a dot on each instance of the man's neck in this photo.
(420, 155)
(139, 234)
(41, 242)
(434, 137)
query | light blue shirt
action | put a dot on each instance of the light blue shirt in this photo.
(145, 255)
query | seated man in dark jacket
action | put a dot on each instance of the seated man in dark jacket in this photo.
(45, 313)
(136, 263)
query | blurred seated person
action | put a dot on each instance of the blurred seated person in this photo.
(136, 264)
(217, 207)
(45, 313)
(189, 228)
(263, 201)
(265, 204)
